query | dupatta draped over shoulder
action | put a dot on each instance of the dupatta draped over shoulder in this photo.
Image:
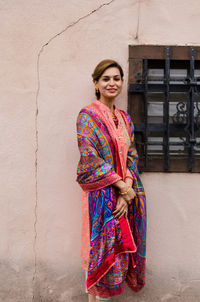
(116, 247)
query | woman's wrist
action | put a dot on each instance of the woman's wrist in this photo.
(128, 181)
(121, 185)
(125, 188)
(125, 192)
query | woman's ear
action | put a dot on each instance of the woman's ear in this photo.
(95, 84)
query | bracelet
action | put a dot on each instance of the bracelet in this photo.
(124, 193)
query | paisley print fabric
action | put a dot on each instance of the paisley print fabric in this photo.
(117, 246)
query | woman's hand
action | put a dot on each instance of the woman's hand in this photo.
(124, 186)
(129, 196)
(121, 208)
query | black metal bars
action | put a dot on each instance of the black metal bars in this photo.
(145, 109)
(166, 109)
(190, 123)
(139, 88)
(177, 130)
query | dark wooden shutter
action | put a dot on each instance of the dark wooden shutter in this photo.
(164, 103)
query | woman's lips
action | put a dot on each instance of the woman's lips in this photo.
(112, 90)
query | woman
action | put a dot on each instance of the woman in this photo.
(113, 203)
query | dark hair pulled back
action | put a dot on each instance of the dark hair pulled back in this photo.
(101, 67)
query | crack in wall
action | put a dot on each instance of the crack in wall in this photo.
(36, 131)
(138, 22)
(36, 185)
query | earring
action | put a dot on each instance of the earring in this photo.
(97, 90)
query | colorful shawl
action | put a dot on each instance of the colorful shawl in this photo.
(117, 246)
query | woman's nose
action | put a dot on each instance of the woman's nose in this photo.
(112, 82)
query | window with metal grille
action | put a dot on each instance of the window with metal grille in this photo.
(164, 102)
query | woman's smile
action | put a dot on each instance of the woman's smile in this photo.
(112, 90)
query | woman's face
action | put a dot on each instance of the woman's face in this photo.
(110, 83)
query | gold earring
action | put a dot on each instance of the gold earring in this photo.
(97, 90)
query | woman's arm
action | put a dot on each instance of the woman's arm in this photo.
(129, 181)
(93, 172)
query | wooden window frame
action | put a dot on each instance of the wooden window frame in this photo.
(138, 55)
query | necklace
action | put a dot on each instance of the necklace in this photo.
(115, 119)
(113, 115)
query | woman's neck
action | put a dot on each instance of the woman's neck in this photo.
(109, 103)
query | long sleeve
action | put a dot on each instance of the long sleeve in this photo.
(128, 174)
(93, 171)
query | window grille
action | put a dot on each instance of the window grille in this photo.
(164, 102)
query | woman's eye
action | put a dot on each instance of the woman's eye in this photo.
(107, 79)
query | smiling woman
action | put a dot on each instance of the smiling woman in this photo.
(114, 207)
(109, 85)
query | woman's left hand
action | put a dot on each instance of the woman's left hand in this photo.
(121, 208)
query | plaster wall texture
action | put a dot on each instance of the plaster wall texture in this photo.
(48, 52)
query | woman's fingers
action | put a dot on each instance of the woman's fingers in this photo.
(120, 211)
(126, 211)
(123, 212)
(119, 207)
(119, 214)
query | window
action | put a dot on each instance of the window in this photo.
(164, 102)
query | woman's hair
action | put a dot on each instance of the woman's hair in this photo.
(101, 67)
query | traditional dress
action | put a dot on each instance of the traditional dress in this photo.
(113, 249)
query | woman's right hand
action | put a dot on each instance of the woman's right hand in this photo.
(129, 196)
(124, 187)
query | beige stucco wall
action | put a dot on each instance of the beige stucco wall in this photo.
(47, 54)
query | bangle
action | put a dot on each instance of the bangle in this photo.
(126, 192)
